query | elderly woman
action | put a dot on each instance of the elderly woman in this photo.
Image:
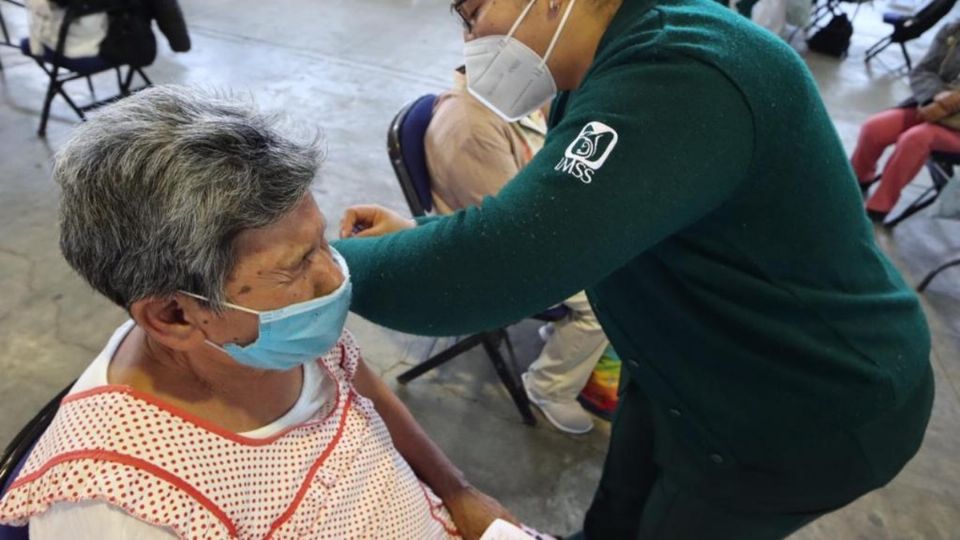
(233, 404)
(915, 126)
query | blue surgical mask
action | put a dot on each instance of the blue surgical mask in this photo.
(296, 334)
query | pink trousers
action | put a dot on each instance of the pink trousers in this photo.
(914, 139)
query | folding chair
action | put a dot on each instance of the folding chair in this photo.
(17, 452)
(52, 62)
(940, 165)
(908, 27)
(406, 149)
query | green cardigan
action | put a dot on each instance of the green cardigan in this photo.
(695, 187)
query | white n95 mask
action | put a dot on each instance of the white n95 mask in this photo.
(508, 77)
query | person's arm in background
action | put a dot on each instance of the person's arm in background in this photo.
(171, 22)
(468, 153)
(470, 509)
(925, 81)
(549, 233)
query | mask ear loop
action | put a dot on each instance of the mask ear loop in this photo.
(523, 15)
(556, 35)
(228, 304)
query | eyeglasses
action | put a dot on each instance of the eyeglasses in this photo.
(467, 14)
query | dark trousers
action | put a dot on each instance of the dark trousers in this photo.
(637, 500)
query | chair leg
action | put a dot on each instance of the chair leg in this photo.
(90, 86)
(440, 359)
(145, 78)
(51, 91)
(877, 48)
(127, 82)
(507, 374)
(926, 281)
(906, 56)
(6, 34)
(917, 205)
(66, 97)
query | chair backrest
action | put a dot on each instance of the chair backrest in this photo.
(16, 453)
(924, 20)
(406, 148)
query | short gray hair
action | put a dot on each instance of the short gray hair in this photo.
(156, 187)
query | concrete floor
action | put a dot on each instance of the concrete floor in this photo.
(346, 66)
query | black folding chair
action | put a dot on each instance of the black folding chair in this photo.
(61, 70)
(16, 453)
(940, 165)
(909, 27)
(405, 146)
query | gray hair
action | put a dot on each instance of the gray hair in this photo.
(156, 187)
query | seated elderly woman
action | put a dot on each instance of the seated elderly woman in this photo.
(233, 404)
(924, 123)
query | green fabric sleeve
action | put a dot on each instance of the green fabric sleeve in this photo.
(684, 142)
(423, 220)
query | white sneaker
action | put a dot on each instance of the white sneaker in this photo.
(567, 416)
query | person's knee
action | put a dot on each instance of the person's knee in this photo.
(875, 130)
(916, 139)
(870, 131)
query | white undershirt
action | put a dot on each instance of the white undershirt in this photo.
(95, 520)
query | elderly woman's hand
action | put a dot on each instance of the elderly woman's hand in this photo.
(949, 100)
(932, 112)
(474, 511)
(372, 220)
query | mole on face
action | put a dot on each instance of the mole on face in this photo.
(245, 289)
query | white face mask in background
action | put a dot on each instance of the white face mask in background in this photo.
(506, 75)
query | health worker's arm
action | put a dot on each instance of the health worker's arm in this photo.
(642, 151)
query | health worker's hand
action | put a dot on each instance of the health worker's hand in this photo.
(372, 220)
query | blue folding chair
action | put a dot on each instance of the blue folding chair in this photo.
(405, 146)
(16, 453)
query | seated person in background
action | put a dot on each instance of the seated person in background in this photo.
(472, 153)
(233, 404)
(120, 41)
(913, 125)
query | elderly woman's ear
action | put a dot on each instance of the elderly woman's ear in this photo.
(172, 321)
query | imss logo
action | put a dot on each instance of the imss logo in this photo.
(587, 153)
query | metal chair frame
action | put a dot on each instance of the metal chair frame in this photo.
(940, 166)
(934, 273)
